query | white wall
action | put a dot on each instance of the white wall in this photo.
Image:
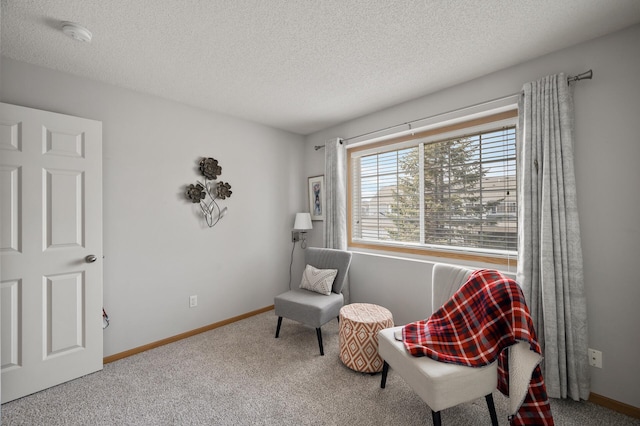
(607, 153)
(157, 250)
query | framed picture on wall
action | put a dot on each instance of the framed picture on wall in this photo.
(316, 197)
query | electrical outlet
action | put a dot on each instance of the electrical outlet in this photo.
(193, 301)
(595, 358)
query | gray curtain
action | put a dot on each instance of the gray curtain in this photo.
(335, 181)
(549, 247)
(335, 208)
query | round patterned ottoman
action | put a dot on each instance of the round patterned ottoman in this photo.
(358, 335)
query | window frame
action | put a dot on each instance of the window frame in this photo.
(464, 126)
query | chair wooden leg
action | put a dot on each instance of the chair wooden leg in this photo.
(437, 420)
(319, 333)
(435, 415)
(278, 328)
(385, 371)
(492, 410)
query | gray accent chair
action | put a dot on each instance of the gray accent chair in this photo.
(310, 308)
(440, 385)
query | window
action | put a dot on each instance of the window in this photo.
(448, 191)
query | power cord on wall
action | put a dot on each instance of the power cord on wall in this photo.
(291, 263)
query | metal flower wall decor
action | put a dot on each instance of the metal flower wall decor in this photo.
(206, 193)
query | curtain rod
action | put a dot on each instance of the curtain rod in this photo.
(317, 147)
(587, 75)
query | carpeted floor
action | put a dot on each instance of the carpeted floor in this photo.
(240, 374)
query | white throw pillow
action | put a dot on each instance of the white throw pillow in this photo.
(318, 280)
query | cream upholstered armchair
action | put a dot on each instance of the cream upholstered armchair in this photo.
(312, 308)
(440, 385)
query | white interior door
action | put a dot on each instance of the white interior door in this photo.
(50, 222)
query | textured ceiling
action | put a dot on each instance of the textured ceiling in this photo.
(299, 65)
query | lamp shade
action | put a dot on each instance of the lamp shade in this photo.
(303, 221)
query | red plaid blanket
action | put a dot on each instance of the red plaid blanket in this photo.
(475, 327)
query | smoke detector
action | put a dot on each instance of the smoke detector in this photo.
(76, 31)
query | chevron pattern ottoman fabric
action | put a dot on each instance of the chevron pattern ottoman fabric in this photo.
(358, 335)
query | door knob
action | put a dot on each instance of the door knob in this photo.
(90, 258)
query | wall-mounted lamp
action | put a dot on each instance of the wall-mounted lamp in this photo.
(300, 227)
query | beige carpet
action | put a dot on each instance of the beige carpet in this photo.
(240, 374)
